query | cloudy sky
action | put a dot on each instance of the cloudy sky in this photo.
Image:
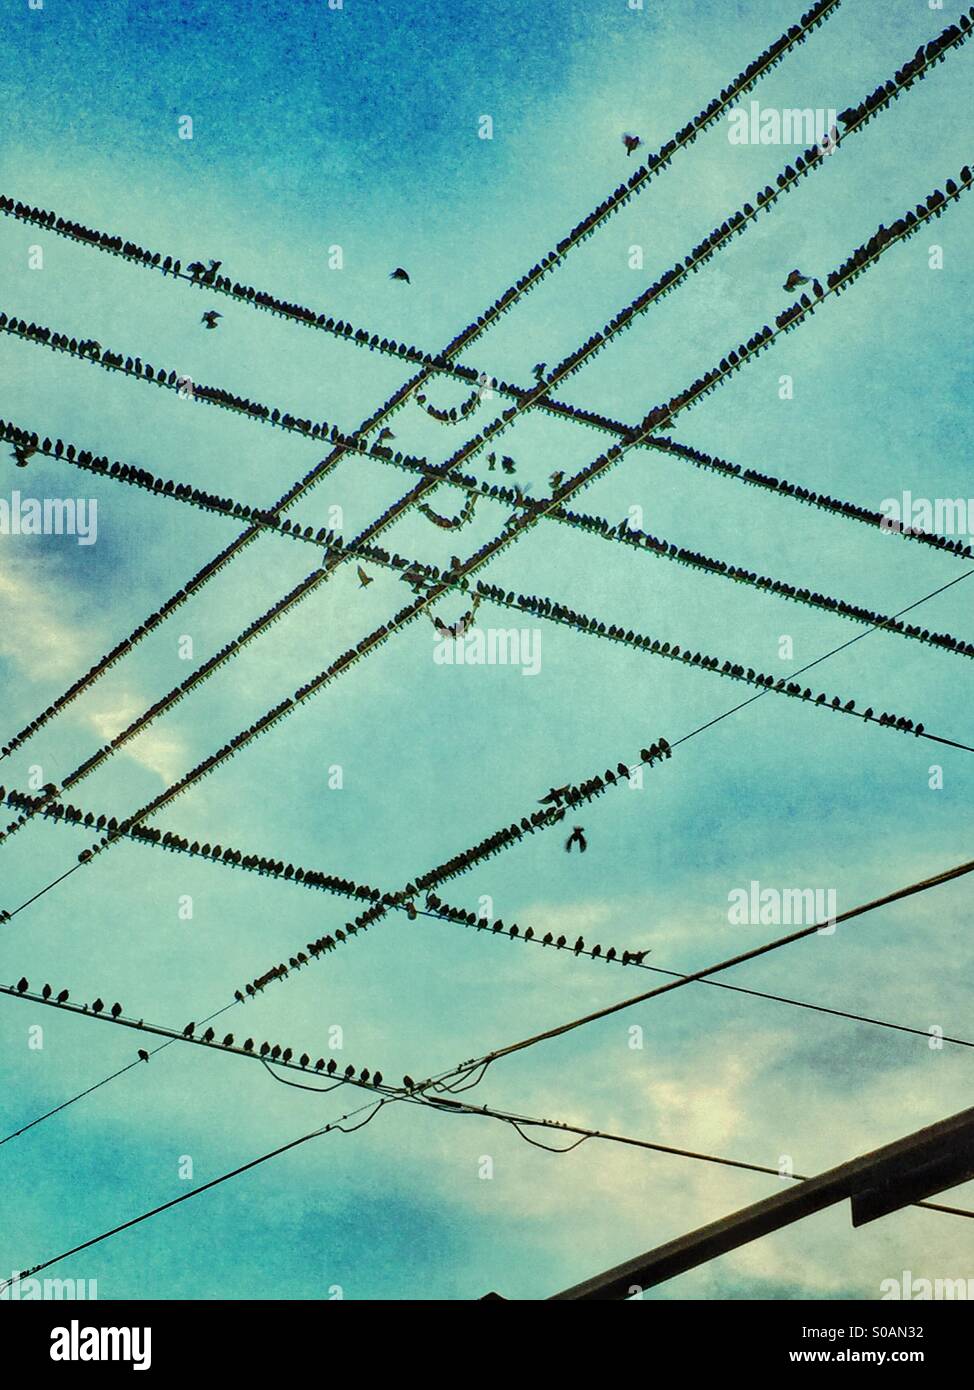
(357, 128)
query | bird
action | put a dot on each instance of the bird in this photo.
(384, 434)
(631, 142)
(539, 369)
(304, 1059)
(143, 1055)
(349, 1072)
(189, 1030)
(577, 837)
(97, 1006)
(210, 318)
(400, 274)
(22, 985)
(248, 1045)
(23, 453)
(377, 1078)
(238, 996)
(332, 1066)
(116, 1010)
(364, 579)
(508, 464)
(46, 992)
(228, 1040)
(554, 796)
(795, 280)
(215, 266)
(63, 997)
(556, 479)
(209, 1035)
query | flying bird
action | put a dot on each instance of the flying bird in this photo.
(795, 280)
(539, 369)
(364, 579)
(577, 837)
(384, 434)
(631, 142)
(210, 318)
(23, 453)
(399, 274)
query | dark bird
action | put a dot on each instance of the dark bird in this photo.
(143, 1055)
(553, 797)
(332, 1066)
(364, 579)
(577, 837)
(304, 1059)
(116, 1010)
(209, 1035)
(23, 453)
(97, 1006)
(631, 142)
(189, 1030)
(556, 479)
(228, 1040)
(215, 266)
(63, 997)
(795, 280)
(238, 996)
(22, 985)
(399, 274)
(46, 992)
(508, 464)
(210, 318)
(248, 1045)
(579, 946)
(349, 1072)
(384, 434)
(265, 1047)
(539, 369)
(409, 1083)
(377, 1079)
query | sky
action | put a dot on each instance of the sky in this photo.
(357, 128)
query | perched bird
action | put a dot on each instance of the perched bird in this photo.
(46, 992)
(304, 1059)
(377, 1078)
(795, 280)
(384, 434)
(215, 266)
(228, 1040)
(22, 985)
(553, 797)
(116, 1010)
(332, 1066)
(238, 996)
(579, 946)
(349, 1072)
(189, 1030)
(210, 318)
(97, 1006)
(63, 997)
(631, 142)
(539, 370)
(248, 1045)
(209, 1035)
(143, 1055)
(399, 274)
(364, 579)
(577, 837)
(556, 479)
(409, 1083)
(23, 453)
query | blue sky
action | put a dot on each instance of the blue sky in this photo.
(314, 128)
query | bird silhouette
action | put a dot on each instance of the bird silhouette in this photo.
(97, 1006)
(46, 992)
(556, 479)
(209, 1035)
(508, 464)
(577, 837)
(631, 142)
(63, 997)
(116, 1010)
(23, 453)
(539, 370)
(238, 996)
(210, 318)
(795, 280)
(143, 1055)
(409, 1083)
(364, 579)
(228, 1040)
(22, 985)
(399, 274)
(189, 1030)
(384, 434)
